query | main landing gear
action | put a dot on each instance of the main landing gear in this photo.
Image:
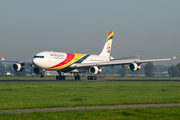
(92, 77)
(77, 76)
(60, 76)
(63, 77)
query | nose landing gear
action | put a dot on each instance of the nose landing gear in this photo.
(42, 71)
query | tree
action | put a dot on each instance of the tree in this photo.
(2, 69)
(123, 72)
(178, 66)
(173, 71)
(149, 69)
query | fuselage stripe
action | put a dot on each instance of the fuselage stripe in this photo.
(69, 58)
(82, 59)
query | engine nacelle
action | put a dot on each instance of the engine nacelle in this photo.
(134, 66)
(95, 70)
(17, 67)
(36, 70)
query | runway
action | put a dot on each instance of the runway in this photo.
(85, 108)
(16, 80)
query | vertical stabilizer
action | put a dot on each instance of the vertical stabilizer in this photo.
(107, 47)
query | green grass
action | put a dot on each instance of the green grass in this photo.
(29, 95)
(25, 95)
(161, 113)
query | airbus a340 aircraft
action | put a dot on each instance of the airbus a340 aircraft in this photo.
(79, 63)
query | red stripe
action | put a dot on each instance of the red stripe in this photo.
(69, 58)
(110, 32)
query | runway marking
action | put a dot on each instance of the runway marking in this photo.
(85, 108)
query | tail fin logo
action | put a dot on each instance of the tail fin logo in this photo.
(108, 49)
(108, 46)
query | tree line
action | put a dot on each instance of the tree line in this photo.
(148, 69)
(174, 71)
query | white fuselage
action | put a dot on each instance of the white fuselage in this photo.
(60, 60)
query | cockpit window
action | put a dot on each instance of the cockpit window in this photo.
(38, 56)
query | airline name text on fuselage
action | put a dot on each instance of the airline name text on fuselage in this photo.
(56, 55)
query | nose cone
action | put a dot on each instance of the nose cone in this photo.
(38, 62)
(35, 62)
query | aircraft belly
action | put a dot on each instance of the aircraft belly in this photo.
(79, 70)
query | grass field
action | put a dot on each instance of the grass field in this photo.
(162, 113)
(29, 95)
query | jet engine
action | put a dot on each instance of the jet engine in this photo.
(135, 66)
(36, 70)
(95, 70)
(18, 67)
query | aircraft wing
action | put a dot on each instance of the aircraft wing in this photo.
(15, 61)
(120, 62)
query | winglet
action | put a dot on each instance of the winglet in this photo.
(2, 58)
(175, 57)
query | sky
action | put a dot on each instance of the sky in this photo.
(150, 28)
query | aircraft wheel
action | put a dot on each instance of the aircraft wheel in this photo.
(63, 77)
(60, 77)
(42, 76)
(57, 77)
(79, 77)
(92, 77)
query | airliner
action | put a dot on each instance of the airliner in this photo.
(79, 63)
